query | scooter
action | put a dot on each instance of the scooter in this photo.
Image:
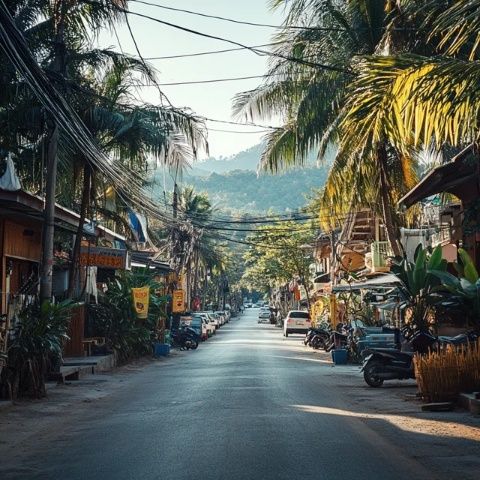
(382, 364)
(338, 338)
(186, 338)
(316, 337)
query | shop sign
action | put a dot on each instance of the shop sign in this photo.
(178, 301)
(141, 299)
(103, 257)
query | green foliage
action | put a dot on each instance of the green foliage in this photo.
(419, 284)
(115, 318)
(276, 256)
(244, 191)
(38, 339)
(465, 288)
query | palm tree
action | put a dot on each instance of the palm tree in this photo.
(317, 105)
(97, 84)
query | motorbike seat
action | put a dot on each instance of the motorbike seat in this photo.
(457, 340)
(406, 356)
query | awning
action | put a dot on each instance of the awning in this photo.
(146, 259)
(458, 177)
(387, 281)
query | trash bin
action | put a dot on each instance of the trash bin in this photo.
(161, 349)
(339, 356)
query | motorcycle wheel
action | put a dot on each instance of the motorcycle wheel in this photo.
(369, 374)
(318, 343)
(194, 345)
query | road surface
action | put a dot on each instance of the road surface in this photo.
(248, 404)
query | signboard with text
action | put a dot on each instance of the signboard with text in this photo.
(103, 257)
(178, 301)
(141, 298)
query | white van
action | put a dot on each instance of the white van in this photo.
(297, 321)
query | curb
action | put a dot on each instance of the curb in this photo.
(470, 402)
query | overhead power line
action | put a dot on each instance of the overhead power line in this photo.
(240, 22)
(212, 52)
(196, 82)
(237, 131)
(257, 51)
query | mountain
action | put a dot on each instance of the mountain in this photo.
(244, 191)
(233, 185)
(246, 160)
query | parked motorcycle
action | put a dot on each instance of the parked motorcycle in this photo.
(185, 338)
(316, 337)
(338, 338)
(382, 364)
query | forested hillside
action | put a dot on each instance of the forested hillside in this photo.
(233, 185)
(243, 191)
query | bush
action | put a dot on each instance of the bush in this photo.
(115, 318)
(35, 345)
(442, 375)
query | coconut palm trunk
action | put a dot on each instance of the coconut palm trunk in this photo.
(386, 201)
(49, 218)
(75, 265)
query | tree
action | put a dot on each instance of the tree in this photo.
(276, 257)
(97, 85)
(313, 96)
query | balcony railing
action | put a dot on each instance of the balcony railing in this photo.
(443, 236)
(380, 253)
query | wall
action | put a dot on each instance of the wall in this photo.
(22, 240)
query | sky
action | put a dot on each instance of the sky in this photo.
(210, 100)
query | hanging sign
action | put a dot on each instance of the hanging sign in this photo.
(141, 298)
(178, 301)
(103, 257)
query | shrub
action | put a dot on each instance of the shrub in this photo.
(35, 345)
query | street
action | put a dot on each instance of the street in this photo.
(248, 404)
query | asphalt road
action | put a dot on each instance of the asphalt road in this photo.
(248, 404)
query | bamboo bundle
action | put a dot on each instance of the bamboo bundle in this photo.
(443, 374)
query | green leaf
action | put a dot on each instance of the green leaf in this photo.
(447, 279)
(469, 270)
(435, 259)
(420, 271)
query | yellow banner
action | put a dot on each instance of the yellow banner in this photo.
(141, 298)
(178, 301)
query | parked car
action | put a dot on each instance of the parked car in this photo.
(200, 326)
(297, 321)
(210, 322)
(222, 317)
(214, 318)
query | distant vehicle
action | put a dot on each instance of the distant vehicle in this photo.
(213, 318)
(199, 325)
(210, 322)
(297, 321)
(222, 318)
(264, 315)
(256, 305)
(248, 305)
(225, 314)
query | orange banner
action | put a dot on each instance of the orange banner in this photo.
(178, 301)
(103, 257)
(141, 300)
